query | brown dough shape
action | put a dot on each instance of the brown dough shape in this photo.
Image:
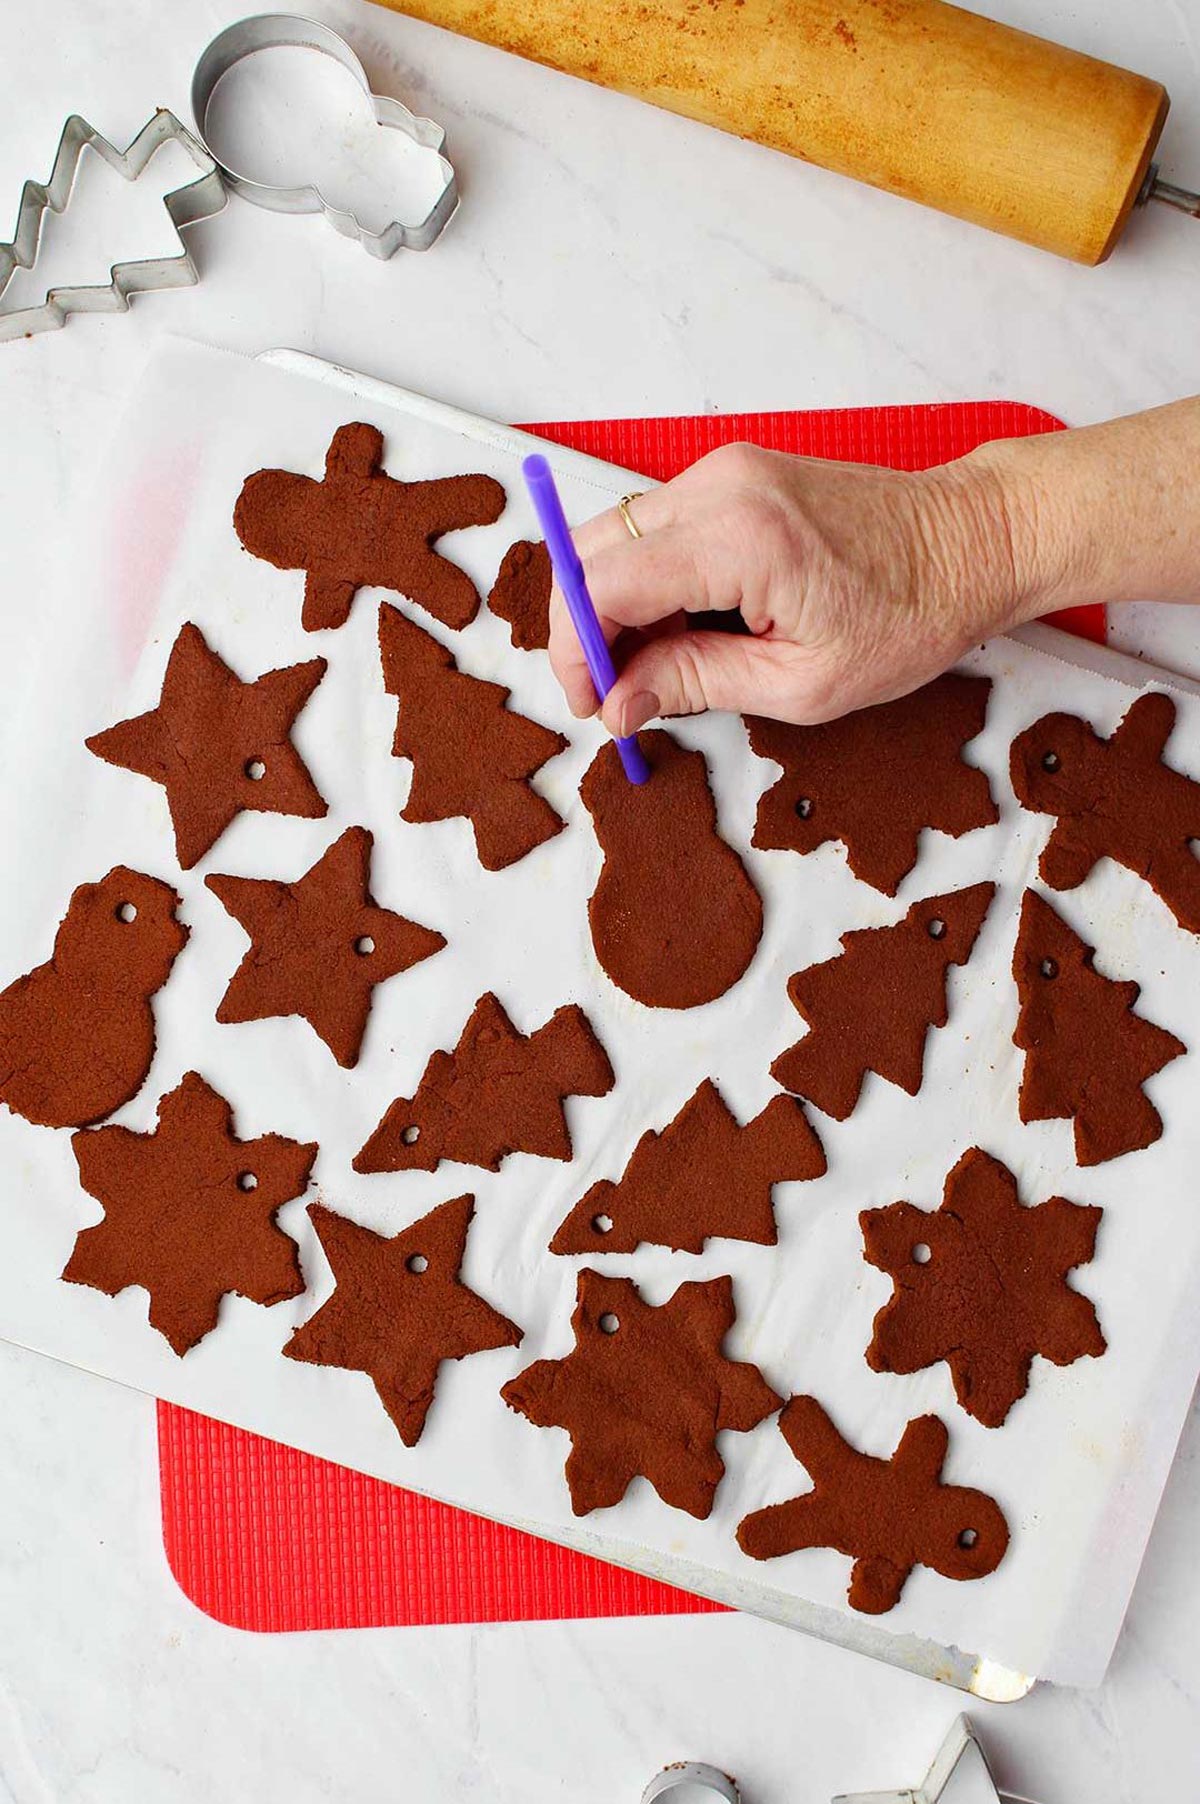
(1087, 1054)
(189, 1212)
(520, 594)
(1114, 798)
(319, 946)
(471, 754)
(77, 1033)
(399, 1308)
(498, 1092)
(874, 779)
(990, 1289)
(218, 745)
(645, 1392)
(675, 917)
(701, 1178)
(887, 1515)
(361, 528)
(871, 1008)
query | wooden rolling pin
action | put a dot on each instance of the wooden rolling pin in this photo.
(914, 96)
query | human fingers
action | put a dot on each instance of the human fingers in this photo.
(711, 564)
(567, 660)
(650, 510)
(638, 584)
(689, 672)
(703, 565)
(569, 664)
(701, 537)
(632, 582)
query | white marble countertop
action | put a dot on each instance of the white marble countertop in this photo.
(608, 259)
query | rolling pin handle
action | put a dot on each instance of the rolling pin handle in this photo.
(1154, 188)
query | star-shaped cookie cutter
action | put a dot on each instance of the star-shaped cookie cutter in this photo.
(273, 31)
(197, 200)
(960, 1774)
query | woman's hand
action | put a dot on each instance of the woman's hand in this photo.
(857, 585)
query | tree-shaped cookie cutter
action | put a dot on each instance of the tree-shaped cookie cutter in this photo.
(272, 31)
(198, 200)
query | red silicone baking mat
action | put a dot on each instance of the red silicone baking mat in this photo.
(263, 1537)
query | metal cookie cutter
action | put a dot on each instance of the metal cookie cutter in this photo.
(959, 1775)
(198, 200)
(696, 1775)
(271, 31)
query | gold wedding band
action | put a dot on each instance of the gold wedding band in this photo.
(631, 525)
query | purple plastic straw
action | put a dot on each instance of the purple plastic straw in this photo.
(568, 573)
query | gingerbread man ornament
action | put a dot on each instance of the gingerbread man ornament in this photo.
(1114, 798)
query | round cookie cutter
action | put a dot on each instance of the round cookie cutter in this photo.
(697, 1775)
(274, 31)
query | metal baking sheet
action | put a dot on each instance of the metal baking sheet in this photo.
(1080, 1465)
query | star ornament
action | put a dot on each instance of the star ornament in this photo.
(399, 1308)
(319, 946)
(218, 745)
(645, 1392)
(189, 1212)
(981, 1282)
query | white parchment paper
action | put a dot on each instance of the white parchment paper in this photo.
(1081, 1462)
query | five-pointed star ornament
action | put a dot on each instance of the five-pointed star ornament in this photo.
(399, 1308)
(218, 745)
(319, 946)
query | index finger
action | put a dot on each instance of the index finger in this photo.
(650, 510)
(567, 660)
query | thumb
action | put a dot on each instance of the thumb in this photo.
(687, 673)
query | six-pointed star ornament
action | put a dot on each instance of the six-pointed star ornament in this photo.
(981, 1282)
(645, 1391)
(189, 1212)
